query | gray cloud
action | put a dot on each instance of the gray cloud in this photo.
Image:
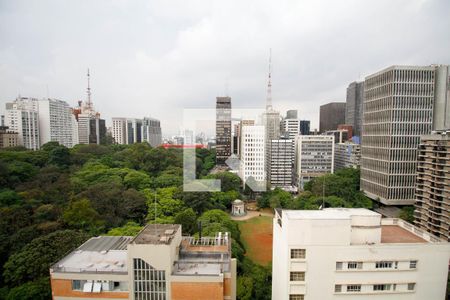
(157, 57)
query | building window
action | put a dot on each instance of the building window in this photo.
(354, 265)
(296, 297)
(413, 264)
(338, 288)
(411, 286)
(383, 265)
(297, 276)
(149, 283)
(339, 265)
(381, 287)
(298, 253)
(77, 285)
(354, 288)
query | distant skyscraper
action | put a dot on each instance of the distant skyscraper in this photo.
(252, 156)
(119, 130)
(292, 114)
(354, 106)
(331, 115)
(223, 129)
(305, 127)
(314, 157)
(433, 185)
(151, 131)
(91, 128)
(129, 131)
(398, 109)
(281, 163)
(56, 122)
(237, 135)
(22, 117)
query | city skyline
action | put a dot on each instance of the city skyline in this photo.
(147, 56)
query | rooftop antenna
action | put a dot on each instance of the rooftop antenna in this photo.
(269, 84)
(89, 103)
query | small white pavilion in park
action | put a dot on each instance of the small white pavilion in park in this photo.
(238, 208)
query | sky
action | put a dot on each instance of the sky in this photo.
(156, 58)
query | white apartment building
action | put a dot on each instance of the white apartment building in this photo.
(347, 155)
(290, 128)
(252, 156)
(83, 128)
(341, 253)
(56, 122)
(314, 157)
(119, 130)
(22, 116)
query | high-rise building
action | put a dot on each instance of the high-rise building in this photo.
(441, 110)
(314, 157)
(56, 122)
(119, 130)
(347, 155)
(223, 129)
(354, 106)
(290, 126)
(8, 138)
(353, 253)
(305, 127)
(252, 162)
(159, 263)
(237, 135)
(91, 128)
(22, 117)
(432, 208)
(398, 109)
(151, 131)
(281, 163)
(331, 115)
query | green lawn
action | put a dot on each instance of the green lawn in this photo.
(256, 235)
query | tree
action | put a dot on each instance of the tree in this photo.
(59, 156)
(188, 220)
(33, 261)
(9, 197)
(216, 220)
(129, 229)
(80, 214)
(137, 180)
(244, 288)
(228, 181)
(32, 290)
(407, 214)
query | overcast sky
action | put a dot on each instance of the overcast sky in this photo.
(154, 58)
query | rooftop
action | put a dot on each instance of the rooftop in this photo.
(329, 213)
(156, 234)
(105, 254)
(397, 234)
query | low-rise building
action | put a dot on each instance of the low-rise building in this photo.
(8, 138)
(159, 263)
(341, 253)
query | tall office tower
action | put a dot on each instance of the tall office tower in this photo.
(314, 157)
(347, 155)
(354, 106)
(281, 163)
(133, 131)
(305, 127)
(252, 162)
(55, 122)
(398, 109)
(441, 111)
(331, 115)
(119, 130)
(91, 128)
(432, 211)
(158, 263)
(353, 253)
(22, 117)
(151, 131)
(290, 126)
(8, 138)
(235, 142)
(223, 129)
